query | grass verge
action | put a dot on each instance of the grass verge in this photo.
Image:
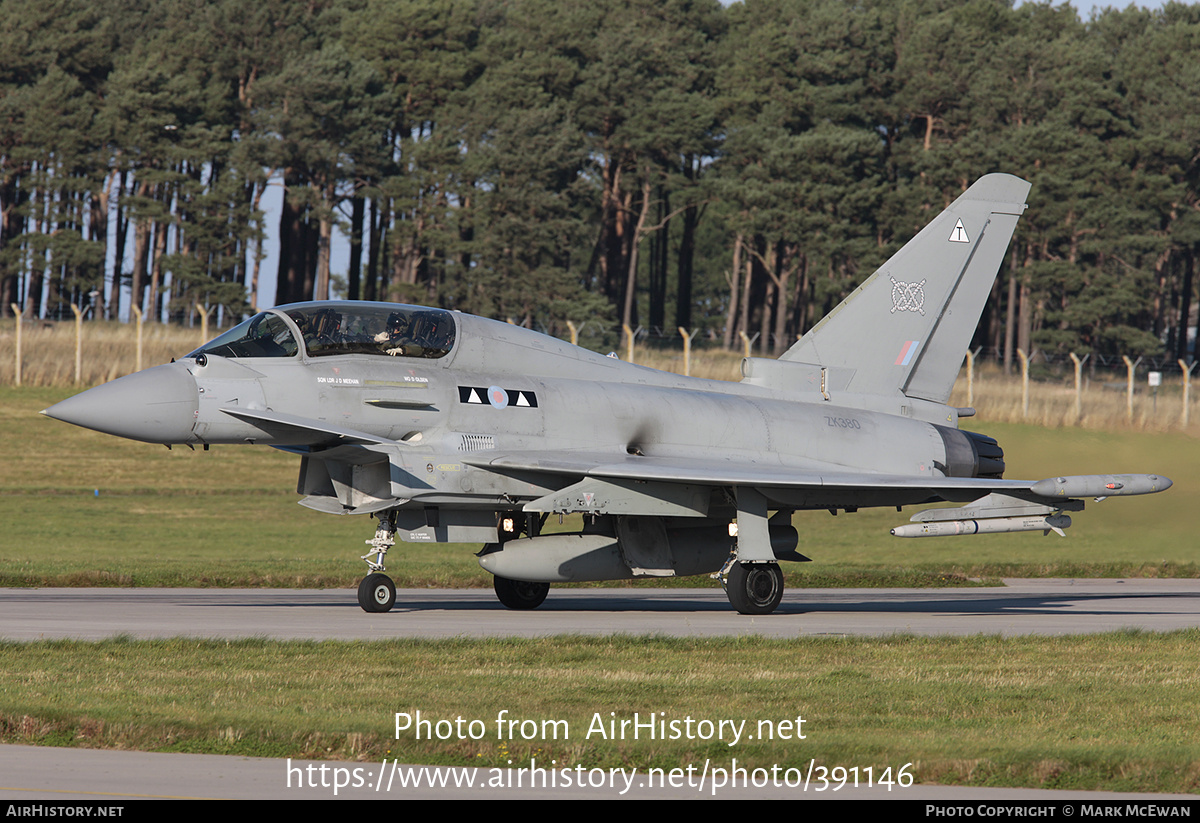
(1114, 711)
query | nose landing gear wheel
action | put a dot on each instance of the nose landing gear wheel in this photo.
(377, 593)
(520, 594)
(755, 588)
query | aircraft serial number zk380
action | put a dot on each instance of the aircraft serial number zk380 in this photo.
(451, 428)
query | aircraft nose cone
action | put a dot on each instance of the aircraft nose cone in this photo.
(157, 405)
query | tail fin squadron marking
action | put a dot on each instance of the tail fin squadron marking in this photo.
(923, 303)
(908, 296)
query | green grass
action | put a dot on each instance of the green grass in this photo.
(1114, 712)
(82, 508)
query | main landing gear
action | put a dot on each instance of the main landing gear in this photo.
(520, 594)
(377, 592)
(753, 588)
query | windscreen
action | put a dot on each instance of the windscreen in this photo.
(263, 335)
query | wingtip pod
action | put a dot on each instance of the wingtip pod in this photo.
(1101, 485)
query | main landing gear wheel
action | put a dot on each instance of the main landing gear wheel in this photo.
(377, 593)
(520, 594)
(755, 588)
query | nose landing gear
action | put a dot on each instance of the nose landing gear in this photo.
(377, 592)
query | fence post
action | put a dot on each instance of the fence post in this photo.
(1187, 374)
(574, 332)
(1128, 388)
(971, 355)
(17, 312)
(687, 351)
(747, 342)
(970, 378)
(1024, 383)
(78, 343)
(203, 324)
(137, 312)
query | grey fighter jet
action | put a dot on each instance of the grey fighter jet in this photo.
(445, 427)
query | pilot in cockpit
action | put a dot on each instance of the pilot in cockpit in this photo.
(395, 338)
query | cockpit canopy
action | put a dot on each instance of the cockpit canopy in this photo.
(333, 328)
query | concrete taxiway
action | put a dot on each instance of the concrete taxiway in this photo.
(1044, 607)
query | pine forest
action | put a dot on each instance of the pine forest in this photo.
(727, 169)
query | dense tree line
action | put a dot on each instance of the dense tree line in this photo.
(660, 163)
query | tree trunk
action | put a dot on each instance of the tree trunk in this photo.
(658, 265)
(628, 316)
(324, 242)
(371, 292)
(353, 275)
(160, 248)
(1010, 319)
(293, 246)
(98, 232)
(1185, 302)
(747, 291)
(119, 253)
(687, 254)
(255, 202)
(141, 253)
(12, 196)
(731, 315)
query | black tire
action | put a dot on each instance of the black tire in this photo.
(755, 588)
(520, 594)
(377, 593)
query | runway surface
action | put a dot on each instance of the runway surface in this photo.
(1044, 607)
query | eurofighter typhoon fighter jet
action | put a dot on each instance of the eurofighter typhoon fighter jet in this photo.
(446, 427)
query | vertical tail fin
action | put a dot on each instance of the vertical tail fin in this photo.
(907, 328)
